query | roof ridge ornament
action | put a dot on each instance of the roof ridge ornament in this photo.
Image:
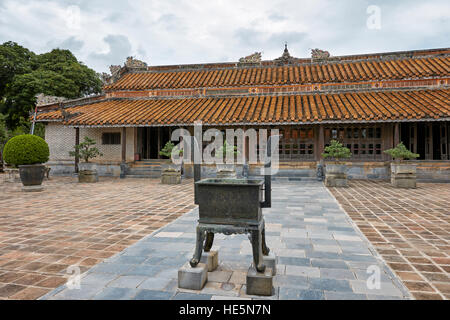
(135, 64)
(286, 57)
(43, 99)
(252, 58)
(318, 54)
(117, 71)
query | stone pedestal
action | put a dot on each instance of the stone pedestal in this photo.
(192, 278)
(335, 175)
(259, 283)
(32, 188)
(171, 177)
(270, 261)
(403, 175)
(89, 176)
(210, 259)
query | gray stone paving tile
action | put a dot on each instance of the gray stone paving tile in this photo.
(330, 264)
(341, 274)
(99, 279)
(300, 294)
(291, 281)
(127, 281)
(153, 295)
(116, 294)
(85, 292)
(386, 288)
(192, 296)
(158, 284)
(330, 295)
(112, 268)
(382, 297)
(330, 285)
(303, 271)
(127, 259)
(294, 261)
(169, 273)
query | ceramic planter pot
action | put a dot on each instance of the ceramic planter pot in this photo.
(32, 175)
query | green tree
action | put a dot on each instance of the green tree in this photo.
(85, 150)
(14, 60)
(336, 151)
(168, 148)
(24, 75)
(400, 152)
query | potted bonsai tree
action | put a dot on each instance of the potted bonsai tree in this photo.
(87, 172)
(28, 152)
(171, 173)
(335, 170)
(403, 174)
(225, 170)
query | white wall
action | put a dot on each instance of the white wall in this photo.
(61, 140)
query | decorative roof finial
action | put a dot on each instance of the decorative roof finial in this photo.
(286, 57)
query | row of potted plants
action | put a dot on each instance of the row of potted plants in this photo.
(403, 174)
(29, 152)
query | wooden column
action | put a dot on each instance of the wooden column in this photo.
(430, 141)
(77, 142)
(159, 142)
(396, 133)
(320, 143)
(388, 139)
(124, 144)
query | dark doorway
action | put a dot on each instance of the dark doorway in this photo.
(151, 140)
(436, 142)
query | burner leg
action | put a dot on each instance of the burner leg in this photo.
(257, 250)
(209, 241)
(198, 248)
(265, 248)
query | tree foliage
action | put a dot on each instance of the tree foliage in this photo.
(400, 152)
(168, 148)
(85, 150)
(336, 151)
(24, 74)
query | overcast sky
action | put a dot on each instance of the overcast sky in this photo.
(101, 33)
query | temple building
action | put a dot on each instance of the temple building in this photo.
(369, 102)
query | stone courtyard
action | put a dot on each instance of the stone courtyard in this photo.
(129, 237)
(320, 256)
(410, 228)
(43, 233)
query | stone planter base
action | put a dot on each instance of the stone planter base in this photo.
(403, 175)
(32, 188)
(171, 177)
(336, 180)
(335, 175)
(226, 174)
(88, 176)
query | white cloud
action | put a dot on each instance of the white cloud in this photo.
(184, 31)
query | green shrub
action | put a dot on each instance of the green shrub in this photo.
(85, 151)
(400, 152)
(336, 151)
(226, 150)
(26, 149)
(168, 148)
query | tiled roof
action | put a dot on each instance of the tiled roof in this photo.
(340, 71)
(305, 108)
